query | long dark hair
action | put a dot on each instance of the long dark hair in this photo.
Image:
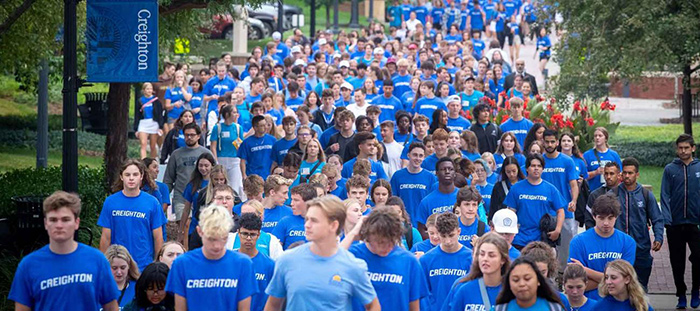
(532, 135)
(508, 161)
(544, 290)
(155, 275)
(437, 122)
(197, 177)
(574, 149)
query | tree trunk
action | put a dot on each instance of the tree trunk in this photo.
(328, 15)
(117, 124)
(687, 115)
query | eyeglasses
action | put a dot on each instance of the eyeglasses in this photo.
(154, 291)
(248, 235)
(304, 134)
(223, 198)
(191, 135)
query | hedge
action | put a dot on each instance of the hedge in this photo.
(648, 153)
(29, 122)
(44, 181)
(93, 143)
(651, 145)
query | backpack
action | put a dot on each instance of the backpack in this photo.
(480, 228)
(408, 235)
(584, 192)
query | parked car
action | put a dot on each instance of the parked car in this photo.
(291, 13)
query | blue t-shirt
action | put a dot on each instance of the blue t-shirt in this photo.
(196, 102)
(426, 106)
(544, 42)
(257, 152)
(559, 172)
(519, 129)
(590, 305)
(132, 221)
(478, 46)
(458, 124)
(467, 296)
(263, 244)
(594, 251)
(128, 296)
(415, 234)
(470, 101)
(294, 103)
(397, 278)
(436, 202)
(335, 282)
(273, 215)
(436, 14)
(423, 246)
(44, 280)
(376, 173)
(429, 163)
(485, 192)
(147, 107)
(280, 149)
(175, 95)
(225, 138)
(212, 284)
(531, 203)
(389, 107)
(468, 233)
(540, 304)
(511, 7)
(290, 229)
(501, 157)
(610, 303)
(216, 86)
(514, 28)
(442, 270)
(407, 100)
(421, 13)
(263, 267)
(412, 188)
(594, 163)
(402, 84)
(477, 20)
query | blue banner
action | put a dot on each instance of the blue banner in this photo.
(122, 40)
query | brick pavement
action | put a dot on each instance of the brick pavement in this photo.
(661, 280)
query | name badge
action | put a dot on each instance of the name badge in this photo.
(225, 134)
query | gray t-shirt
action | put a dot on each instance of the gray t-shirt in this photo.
(180, 167)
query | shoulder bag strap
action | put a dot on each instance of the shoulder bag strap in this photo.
(484, 294)
(505, 187)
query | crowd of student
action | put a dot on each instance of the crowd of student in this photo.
(363, 171)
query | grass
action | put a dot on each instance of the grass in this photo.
(651, 175)
(662, 133)
(9, 107)
(14, 158)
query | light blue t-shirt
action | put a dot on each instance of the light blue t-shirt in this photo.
(334, 283)
(595, 162)
(442, 270)
(290, 229)
(531, 203)
(540, 304)
(257, 152)
(132, 221)
(224, 139)
(44, 280)
(212, 284)
(470, 101)
(412, 188)
(397, 278)
(436, 202)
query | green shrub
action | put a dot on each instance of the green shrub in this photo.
(648, 153)
(33, 181)
(91, 143)
(8, 86)
(29, 122)
(651, 145)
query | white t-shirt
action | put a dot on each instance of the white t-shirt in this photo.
(393, 152)
(357, 110)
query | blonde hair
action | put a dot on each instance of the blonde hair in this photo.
(255, 204)
(321, 155)
(274, 182)
(165, 245)
(638, 299)
(217, 169)
(215, 220)
(350, 201)
(333, 208)
(118, 251)
(319, 179)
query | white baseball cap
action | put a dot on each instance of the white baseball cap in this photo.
(378, 50)
(505, 221)
(322, 41)
(276, 36)
(299, 62)
(347, 85)
(343, 63)
(296, 49)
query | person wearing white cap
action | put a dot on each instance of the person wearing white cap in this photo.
(296, 53)
(367, 58)
(345, 99)
(282, 49)
(456, 122)
(505, 223)
(378, 54)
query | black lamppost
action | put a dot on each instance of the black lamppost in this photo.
(354, 14)
(71, 83)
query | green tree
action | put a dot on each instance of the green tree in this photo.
(28, 29)
(622, 40)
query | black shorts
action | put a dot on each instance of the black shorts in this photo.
(543, 56)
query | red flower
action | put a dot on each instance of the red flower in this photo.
(527, 99)
(590, 121)
(577, 106)
(490, 101)
(585, 108)
(526, 114)
(549, 107)
(539, 98)
(502, 94)
(468, 115)
(552, 100)
(507, 104)
(612, 107)
(505, 118)
(569, 124)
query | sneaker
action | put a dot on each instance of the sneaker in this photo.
(695, 299)
(682, 303)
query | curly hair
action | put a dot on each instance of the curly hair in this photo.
(382, 222)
